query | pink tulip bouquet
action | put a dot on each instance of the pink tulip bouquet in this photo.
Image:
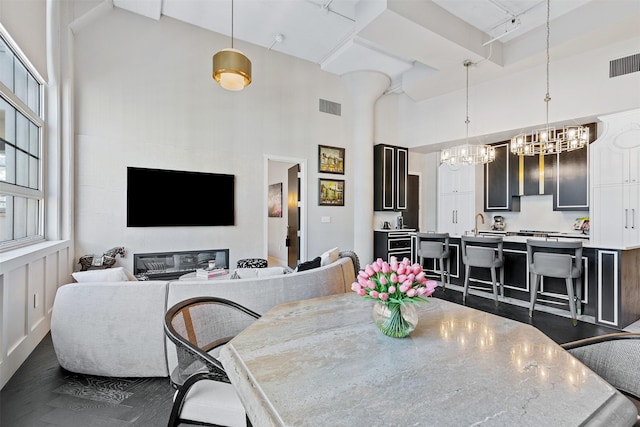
(394, 282)
(391, 285)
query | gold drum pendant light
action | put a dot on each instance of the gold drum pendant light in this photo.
(231, 68)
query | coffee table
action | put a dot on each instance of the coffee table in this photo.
(323, 362)
(193, 276)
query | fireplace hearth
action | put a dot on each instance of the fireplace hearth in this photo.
(172, 265)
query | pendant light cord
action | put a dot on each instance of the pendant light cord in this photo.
(547, 98)
(467, 121)
(232, 28)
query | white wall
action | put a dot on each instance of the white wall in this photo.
(580, 90)
(145, 97)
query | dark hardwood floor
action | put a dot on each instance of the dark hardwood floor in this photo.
(42, 394)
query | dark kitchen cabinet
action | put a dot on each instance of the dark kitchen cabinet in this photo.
(571, 182)
(390, 170)
(501, 180)
(392, 243)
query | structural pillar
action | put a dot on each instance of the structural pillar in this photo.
(365, 88)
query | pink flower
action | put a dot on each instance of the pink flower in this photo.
(402, 280)
(428, 292)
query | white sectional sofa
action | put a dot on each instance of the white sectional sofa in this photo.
(117, 328)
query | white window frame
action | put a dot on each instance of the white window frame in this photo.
(37, 118)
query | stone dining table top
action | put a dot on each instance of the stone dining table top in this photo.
(322, 362)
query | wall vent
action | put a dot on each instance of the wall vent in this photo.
(626, 65)
(330, 107)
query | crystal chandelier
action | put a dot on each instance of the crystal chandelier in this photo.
(468, 154)
(549, 140)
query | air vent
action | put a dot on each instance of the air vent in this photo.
(330, 107)
(626, 65)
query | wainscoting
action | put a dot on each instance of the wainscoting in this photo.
(29, 278)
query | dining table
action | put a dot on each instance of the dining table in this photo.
(323, 362)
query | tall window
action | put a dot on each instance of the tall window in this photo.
(21, 123)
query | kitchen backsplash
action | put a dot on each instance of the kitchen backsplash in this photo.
(536, 213)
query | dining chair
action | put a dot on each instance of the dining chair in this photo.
(198, 327)
(560, 259)
(614, 357)
(483, 252)
(435, 246)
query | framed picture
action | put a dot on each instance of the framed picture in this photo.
(330, 159)
(275, 200)
(331, 192)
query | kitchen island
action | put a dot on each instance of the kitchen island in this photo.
(611, 279)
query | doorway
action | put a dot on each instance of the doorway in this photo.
(285, 242)
(411, 216)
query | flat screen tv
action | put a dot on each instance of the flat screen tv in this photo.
(171, 198)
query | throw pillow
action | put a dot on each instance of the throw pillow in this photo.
(329, 257)
(117, 274)
(309, 265)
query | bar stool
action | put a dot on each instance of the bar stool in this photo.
(483, 252)
(556, 259)
(436, 246)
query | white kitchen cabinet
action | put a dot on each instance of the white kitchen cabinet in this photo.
(614, 164)
(615, 182)
(616, 215)
(456, 199)
(456, 179)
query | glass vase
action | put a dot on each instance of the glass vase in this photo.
(395, 320)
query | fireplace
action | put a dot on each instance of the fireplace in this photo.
(172, 265)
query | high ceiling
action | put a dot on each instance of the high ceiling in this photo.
(420, 44)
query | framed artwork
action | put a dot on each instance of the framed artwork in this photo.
(330, 159)
(275, 200)
(331, 192)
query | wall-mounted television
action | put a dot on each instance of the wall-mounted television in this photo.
(171, 198)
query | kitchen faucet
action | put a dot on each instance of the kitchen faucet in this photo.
(475, 230)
